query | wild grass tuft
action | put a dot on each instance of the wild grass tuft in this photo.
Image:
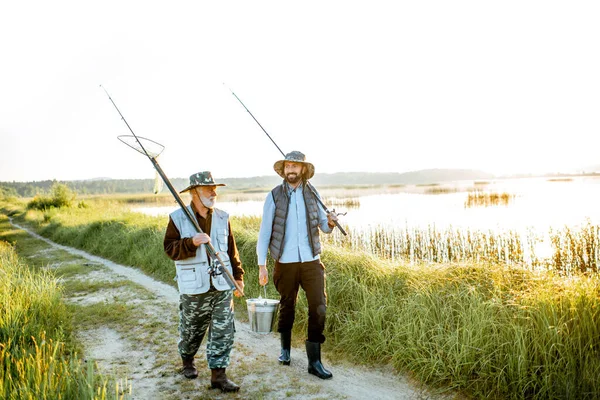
(37, 359)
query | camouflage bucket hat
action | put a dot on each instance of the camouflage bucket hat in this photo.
(203, 178)
(298, 157)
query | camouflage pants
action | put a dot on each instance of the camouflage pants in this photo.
(213, 311)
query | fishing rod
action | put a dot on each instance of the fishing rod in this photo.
(310, 186)
(212, 253)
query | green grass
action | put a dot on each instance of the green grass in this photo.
(102, 314)
(482, 328)
(72, 269)
(37, 352)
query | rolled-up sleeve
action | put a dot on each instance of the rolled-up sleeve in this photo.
(266, 227)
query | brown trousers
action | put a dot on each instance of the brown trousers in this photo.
(287, 278)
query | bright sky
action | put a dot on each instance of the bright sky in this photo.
(378, 86)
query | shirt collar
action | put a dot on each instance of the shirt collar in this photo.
(289, 189)
(210, 211)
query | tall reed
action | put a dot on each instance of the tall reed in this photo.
(37, 360)
(432, 244)
(575, 250)
(480, 198)
(572, 250)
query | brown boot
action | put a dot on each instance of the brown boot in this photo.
(218, 380)
(189, 371)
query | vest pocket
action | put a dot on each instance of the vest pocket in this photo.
(222, 238)
(189, 277)
(188, 274)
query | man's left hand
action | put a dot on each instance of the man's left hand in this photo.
(332, 219)
(236, 293)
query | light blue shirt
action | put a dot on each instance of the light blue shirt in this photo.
(296, 244)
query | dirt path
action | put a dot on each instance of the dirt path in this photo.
(143, 347)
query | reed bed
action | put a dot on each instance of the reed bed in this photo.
(37, 360)
(571, 250)
(441, 190)
(486, 328)
(348, 202)
(434, 245)
(486, 199)
(575, 250)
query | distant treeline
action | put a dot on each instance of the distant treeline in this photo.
(108, 186)
(115, 186)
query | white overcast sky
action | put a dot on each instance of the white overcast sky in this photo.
(379, 86)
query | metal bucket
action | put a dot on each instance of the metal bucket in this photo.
(262, 314)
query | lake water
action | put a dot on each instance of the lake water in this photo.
(414, 220)
(538, 203)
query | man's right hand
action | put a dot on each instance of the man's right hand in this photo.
(263, 275)
(200, 238)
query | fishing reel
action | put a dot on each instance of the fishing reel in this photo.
(337, 213)
(213, 269)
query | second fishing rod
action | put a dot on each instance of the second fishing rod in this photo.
(308, 184)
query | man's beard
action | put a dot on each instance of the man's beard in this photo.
(293, 178)
(208, 203)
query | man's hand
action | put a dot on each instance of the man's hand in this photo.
(263, 275)
(241, 285)
(200, 238)
(332, 218)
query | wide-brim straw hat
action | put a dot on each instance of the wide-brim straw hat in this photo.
(294, 156)
(203, 178)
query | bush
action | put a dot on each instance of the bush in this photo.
(7, 193)
(60, 196)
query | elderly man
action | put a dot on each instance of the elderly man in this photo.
(206, 300)
(290, 231)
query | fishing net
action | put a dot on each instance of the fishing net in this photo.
(146, 147)
(158, 184)
(142, 145)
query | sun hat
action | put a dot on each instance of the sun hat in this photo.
(294, 156)
(203, 178)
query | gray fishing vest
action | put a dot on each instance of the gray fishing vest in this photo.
(192, 273)
(282, 201)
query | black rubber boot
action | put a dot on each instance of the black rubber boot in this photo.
(218, 380)
(189, 371)
(286, 346)
(313, 352)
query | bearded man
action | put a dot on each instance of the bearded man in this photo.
(290, 231)
(205, 300)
